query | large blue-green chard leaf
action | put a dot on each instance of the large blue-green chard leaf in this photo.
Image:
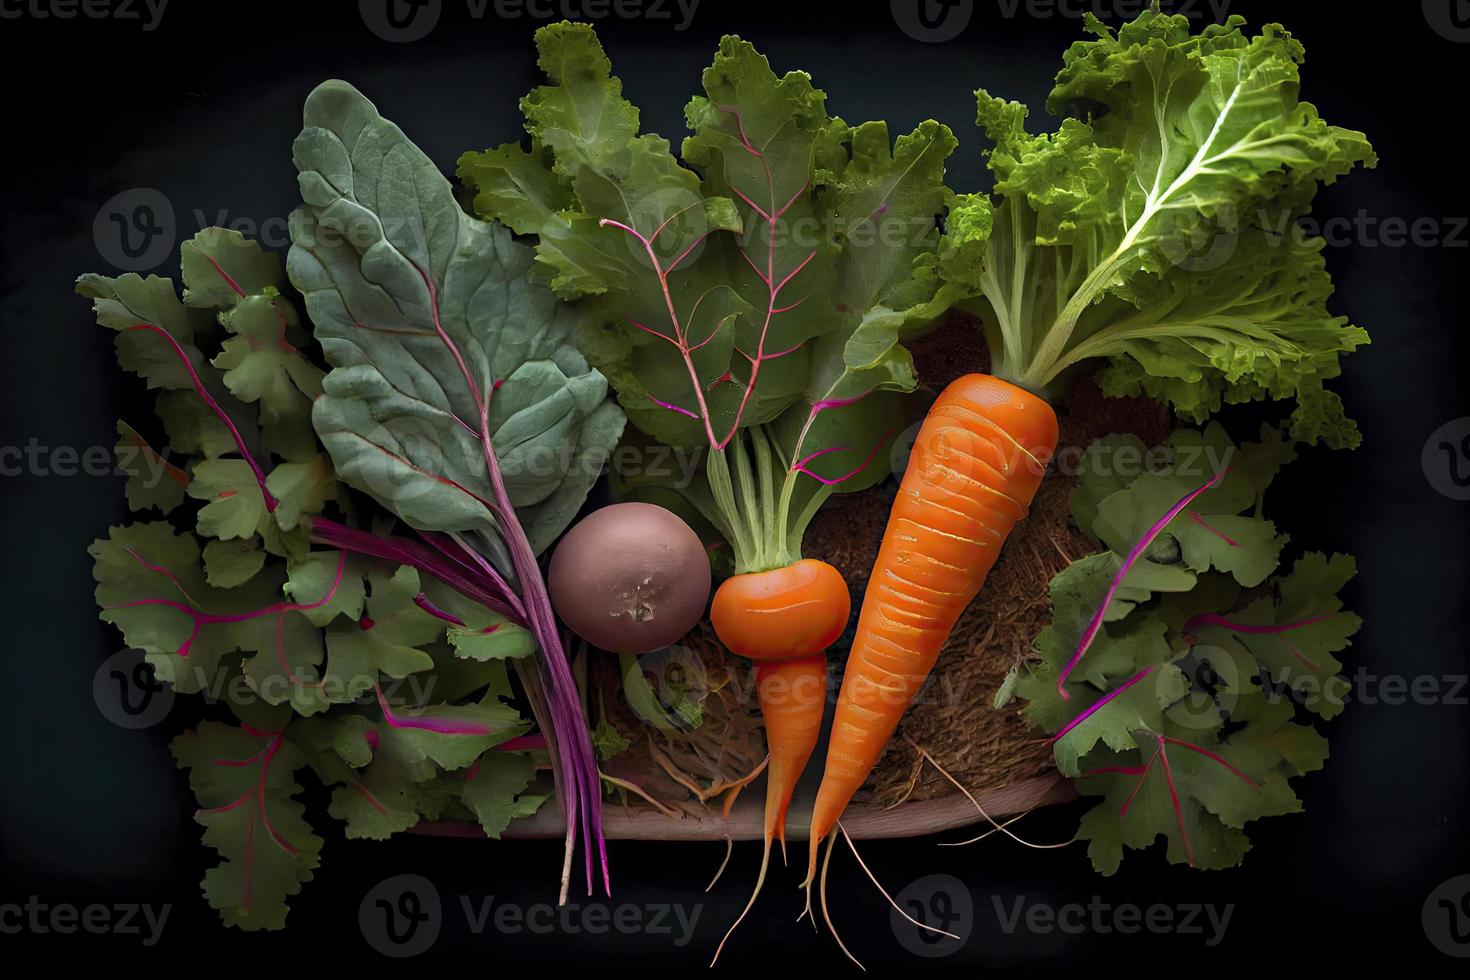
(424, 313)
(1149, 230)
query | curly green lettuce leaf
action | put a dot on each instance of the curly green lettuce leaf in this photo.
(1145, 231)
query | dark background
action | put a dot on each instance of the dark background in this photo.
(204, 107)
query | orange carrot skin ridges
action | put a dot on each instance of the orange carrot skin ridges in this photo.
(976, 465)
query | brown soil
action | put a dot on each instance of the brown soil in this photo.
(688, 771)
(950, 351)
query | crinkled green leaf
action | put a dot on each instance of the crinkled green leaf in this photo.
(233, 505)
(149, 578)
(313, 576)
(301, 489)
(152, 480)
(192, 428)
(231, 563)
(1303, 658)
(1198, 803)
(220, 266)
(1210, 533)
(386, 640)
(779, 195)
(520, 189)
(246, 787)
(497, 791)
(1182, 713)
(125, 302)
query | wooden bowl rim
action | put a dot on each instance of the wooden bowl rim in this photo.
(863, 822)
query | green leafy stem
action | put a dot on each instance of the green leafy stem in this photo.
(758, 511)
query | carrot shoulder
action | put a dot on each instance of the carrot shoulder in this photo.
(976, 465)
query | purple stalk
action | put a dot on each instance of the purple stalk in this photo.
(1098, 705)
(523, 743)
(270, 500)
(413, 553)
(444, 726)
(475, 563)
(1153, 532)
(573, 742)
(427, 605)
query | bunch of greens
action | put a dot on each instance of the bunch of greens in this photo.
(1182, 711)
(1156, 228)
(745, 298)
(338, 643)
(456, 399)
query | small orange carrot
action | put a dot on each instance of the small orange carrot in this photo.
(783, 619)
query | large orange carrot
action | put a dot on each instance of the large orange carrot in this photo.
(978, 460)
